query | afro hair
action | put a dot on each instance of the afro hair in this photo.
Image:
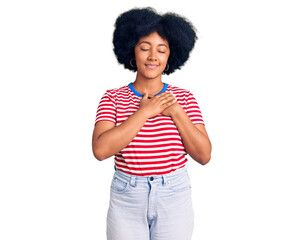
(130, 26)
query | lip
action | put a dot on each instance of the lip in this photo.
(151, 66)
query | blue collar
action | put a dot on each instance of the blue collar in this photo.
(140, 95)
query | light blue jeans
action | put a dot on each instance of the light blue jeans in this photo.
(155, 207)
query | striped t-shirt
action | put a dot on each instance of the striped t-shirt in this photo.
(157, 148)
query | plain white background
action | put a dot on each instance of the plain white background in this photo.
(56, 61)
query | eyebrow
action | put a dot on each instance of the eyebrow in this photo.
(162, 44)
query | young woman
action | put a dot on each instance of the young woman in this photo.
(150, 126)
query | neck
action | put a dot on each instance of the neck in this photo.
(152, 86)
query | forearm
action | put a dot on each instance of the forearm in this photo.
(196, 143)
(114, 140)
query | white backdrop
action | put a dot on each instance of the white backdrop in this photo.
(56, 61)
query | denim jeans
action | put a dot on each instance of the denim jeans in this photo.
(155, 207)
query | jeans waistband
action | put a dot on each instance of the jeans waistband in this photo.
(165, 177)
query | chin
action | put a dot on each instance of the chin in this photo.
(152, 75)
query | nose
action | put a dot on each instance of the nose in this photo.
(152, 56)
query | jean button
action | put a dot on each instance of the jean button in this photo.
(151, 178)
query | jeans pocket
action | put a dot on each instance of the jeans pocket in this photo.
(180, 183)
(119, 185)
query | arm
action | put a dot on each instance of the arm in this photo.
(108, 139)
(195, 138)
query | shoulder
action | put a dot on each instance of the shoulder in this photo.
(114, 92)
(178, 91)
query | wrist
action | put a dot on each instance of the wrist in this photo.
(143, 114)
(177, 111)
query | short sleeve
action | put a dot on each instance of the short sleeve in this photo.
(106, 110)
(193, 110)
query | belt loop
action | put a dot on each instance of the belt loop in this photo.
(164, 179)
(133, 181)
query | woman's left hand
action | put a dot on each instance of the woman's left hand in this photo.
(169, 111)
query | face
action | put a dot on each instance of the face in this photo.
(151, 55)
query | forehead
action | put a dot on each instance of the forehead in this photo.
(153, 39)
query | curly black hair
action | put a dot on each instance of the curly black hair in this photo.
(130, 26)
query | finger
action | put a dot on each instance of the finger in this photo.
(165, 94)
(169, 103)
(145, 96)
(170, 93)
(166, 103)
(167, 97)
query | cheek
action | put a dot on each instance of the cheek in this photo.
(164, 59)
(139, 57)
(165, 56)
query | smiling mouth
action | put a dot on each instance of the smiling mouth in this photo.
(150, 66)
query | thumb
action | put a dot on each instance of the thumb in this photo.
(145, 96)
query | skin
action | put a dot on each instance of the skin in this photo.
(151, 55)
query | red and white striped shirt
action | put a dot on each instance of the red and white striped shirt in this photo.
(157, 148)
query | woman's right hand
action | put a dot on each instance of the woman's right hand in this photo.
(156, 104)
